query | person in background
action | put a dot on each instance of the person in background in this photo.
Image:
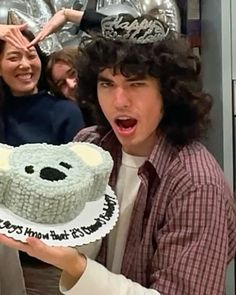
(29, 114)
(61, 72)
(177, 227)
(62, 77)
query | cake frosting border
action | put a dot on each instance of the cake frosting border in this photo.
(103, 213)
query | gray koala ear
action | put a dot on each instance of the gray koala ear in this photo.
(5, 152)
(88, 154)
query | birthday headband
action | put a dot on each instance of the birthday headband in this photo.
(139, 30)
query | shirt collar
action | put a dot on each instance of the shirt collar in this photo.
(162, 153)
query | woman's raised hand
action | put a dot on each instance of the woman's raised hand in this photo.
(52, 26)
(13, 35)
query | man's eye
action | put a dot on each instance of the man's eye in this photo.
(105, 84)
(137, 84)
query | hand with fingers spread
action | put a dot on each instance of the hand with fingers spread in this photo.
(64, 258)
(13, 35)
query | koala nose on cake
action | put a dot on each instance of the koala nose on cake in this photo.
(52, 174)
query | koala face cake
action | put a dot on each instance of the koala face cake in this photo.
(51, 184)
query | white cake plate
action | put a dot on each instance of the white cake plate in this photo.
(95, 221)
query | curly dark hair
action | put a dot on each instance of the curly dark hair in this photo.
(171, 61)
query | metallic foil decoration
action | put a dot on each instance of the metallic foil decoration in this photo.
(118, 8)
(5, 5)
(67, 35)
(73, 4)
(103, 4)
(165, 10)
(40, 10)
(48, 45)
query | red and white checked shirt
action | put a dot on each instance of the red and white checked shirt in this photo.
(182, 232)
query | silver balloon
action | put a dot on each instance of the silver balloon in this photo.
(18, 4)
(48, 45)
(67, 35)
(118, 8)
(40, 10)
(104, 3)
(74, 4)
(165, 10)
(135, 4)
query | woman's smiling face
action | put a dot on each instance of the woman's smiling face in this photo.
(20, 69)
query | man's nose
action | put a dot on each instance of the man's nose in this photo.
(71, 83)
(121, 97)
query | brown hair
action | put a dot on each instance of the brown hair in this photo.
(67, 55)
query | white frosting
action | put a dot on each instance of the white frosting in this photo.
(51, 184)
(88, 154)
(4, 158)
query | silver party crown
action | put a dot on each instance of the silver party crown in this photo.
(139, 30)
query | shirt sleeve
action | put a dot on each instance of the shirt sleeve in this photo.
(91, 21)
(98, 280)
(196, 243)
(67, 120)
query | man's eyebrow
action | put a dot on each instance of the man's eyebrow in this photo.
(101, 78)
(136, 78)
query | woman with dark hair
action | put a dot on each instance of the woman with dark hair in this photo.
(176, 231)
(29, 113)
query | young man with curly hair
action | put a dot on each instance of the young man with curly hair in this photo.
(177, 227)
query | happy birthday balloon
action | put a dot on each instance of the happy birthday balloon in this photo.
(165, 10)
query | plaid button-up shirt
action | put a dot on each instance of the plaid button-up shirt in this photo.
(182, 232)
